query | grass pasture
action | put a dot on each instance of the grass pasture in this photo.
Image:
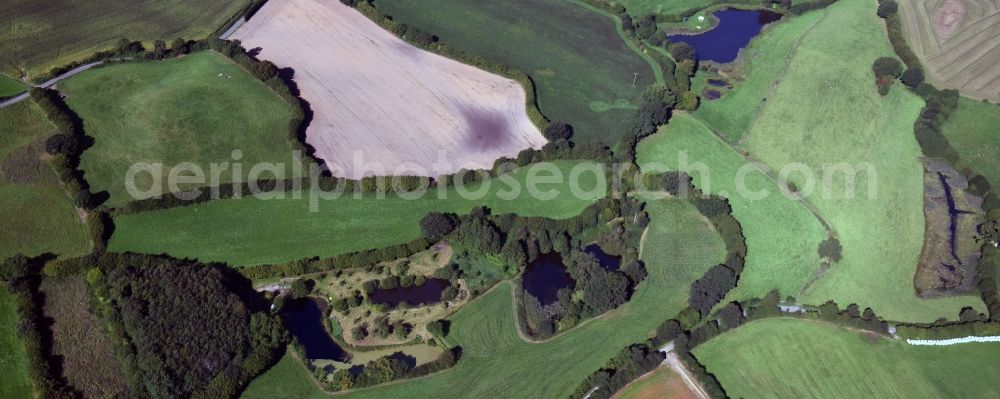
(37, 35)
(10, 87)
(255, 231)
(680, 246)
(956, 43)
(973, 130)
(639, 8)
(14, 381)
(782, 236)
(36, 214)
(764, 62)
(79, 339)
(792, 358)
(826, 111)
(175, 111)
(582, 69)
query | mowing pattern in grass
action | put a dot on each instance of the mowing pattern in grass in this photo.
(175, 111)
(679, 247)
(973, 131)
(956, 41)
(79, 339)
(41, 34)
(782, 236)
(10, 87)
(826, 111)
(791, 358)
(14, 382)
(581, 67)
(251, 231)
(36, 214)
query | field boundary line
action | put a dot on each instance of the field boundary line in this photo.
(769, 172)
(775, 83)
(657, 69)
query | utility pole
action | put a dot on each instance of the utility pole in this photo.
(635, 79)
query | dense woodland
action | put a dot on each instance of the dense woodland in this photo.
(185, 329)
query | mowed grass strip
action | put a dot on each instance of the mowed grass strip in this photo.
(255, 231)
(680, 245)
(583, 70)
(38, 35)
(175, 111)
(14, 382)
(782, 236)
(974, 130)
(37, 215)
(10, 87)
(793, 358)
(826, 113)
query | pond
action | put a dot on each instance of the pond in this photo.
(544, 277)
(305, 318)
(608, 262)
(718, 82)
(735, 30)
(427, 293)
(711, 94)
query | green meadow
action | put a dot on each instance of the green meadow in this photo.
(38, 35)
(253, 231)
(37, 215)
(793, 358)
(825, 113)
(171, 112)
(582, 69)
(14, 381)
(10, 87)
(638, 8)
(680, 245)
(974, 130)
(764, 63)
(782, 236)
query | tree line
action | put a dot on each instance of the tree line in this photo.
(22, 280)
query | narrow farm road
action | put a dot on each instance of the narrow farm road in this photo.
(49, 83)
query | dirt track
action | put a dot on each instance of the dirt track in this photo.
(378, 99)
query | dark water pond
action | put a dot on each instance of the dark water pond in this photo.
(544, 277)
(735, 30)
(718, 82)
(608, 262)
(711, 94)
(427, 293)
(305, 318)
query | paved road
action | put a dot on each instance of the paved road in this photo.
(49, 83)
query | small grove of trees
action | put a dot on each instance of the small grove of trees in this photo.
(558, 131)
(886, 70)
(435, 225)
(190, 329)
(385, 369)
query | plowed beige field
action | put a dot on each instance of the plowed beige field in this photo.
(958, 42)
(383, 106)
